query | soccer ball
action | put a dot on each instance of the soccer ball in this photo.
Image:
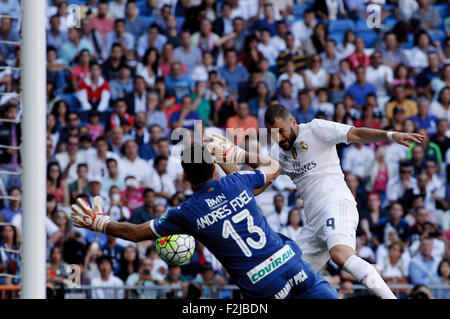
(175, 249)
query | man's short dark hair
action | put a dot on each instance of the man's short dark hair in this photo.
(158, 159)
(101, 138)
(110, 160)
(148, 190)
(197, 164)
(102, 258)
(276, 111)
(81, 165)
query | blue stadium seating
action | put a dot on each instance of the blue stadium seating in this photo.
(337, 36)
(369, 37)
(299, 8)
(361, 26)
(442, 9)
(149, 20)
(389, 23)
(410, 43)
(77, 2)
(341, 25)
(437, 35)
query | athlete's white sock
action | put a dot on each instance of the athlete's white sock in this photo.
(367, 275)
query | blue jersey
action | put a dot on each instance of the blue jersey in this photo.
(224, 216)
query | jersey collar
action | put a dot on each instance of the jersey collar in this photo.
(207, 187)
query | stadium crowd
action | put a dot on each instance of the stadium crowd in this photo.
(124, 74)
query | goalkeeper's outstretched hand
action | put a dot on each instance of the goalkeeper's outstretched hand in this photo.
(91, 218)
(222, 150)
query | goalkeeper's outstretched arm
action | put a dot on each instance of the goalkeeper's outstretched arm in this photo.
(94, 219)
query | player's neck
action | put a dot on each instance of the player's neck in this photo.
(196, 187)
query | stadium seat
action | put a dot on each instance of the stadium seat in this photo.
(410, 43)
(361, 26)
(369, 37)
(180, 21)
(77, 2)
(149, 20)
(437, 35)
(337, 36)
(299, 8)
(341, 25)
(442, 10)
(389, 23)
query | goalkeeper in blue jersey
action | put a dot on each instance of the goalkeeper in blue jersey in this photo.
(223, 215)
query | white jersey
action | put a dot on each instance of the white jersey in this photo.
(316, 169)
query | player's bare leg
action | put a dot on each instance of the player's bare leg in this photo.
(364, 272)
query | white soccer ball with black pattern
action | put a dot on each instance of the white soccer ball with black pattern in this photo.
(175, 249)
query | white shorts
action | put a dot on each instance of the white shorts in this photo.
(333, 224)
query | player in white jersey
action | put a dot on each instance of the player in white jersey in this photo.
(307, 154)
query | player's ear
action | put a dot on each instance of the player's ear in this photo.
(293, 121)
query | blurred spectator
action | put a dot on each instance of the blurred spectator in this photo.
(294, 53)
(305, 112)
(419, 54)
(15, 205)
(294, 225)
(80, 185)
(129, 262)
(394, 220)
(147, 278)
(346, 289)
(178, 83)
(360, 88)
(152, 39)
(174, 277)
(427, 15)
(442, 279)
(392, 54)
(400, 100)
(380, 172)
(94, 92)
(423, 267)
(120, 36)
(7, 34)
(101, 22)
(243, 120)
(231, 72)
(160, 180)
(356, 159)
(10, 261)
(107, 279)
(55, 37)
(191, 56)
(116, 209)
(279, 217)
(303, 29)
(440, 138)
(132, 195)
(144, 213)
(209, 281)
(57, 185)
(73, 46)
(315, 76)
(123, 84)
(393, 268)
(372, 216)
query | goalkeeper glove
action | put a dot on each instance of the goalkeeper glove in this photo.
(90, 218)
(223, 150)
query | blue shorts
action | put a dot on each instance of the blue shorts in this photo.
(298, 282)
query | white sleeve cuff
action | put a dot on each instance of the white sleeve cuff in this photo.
(152, 227)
